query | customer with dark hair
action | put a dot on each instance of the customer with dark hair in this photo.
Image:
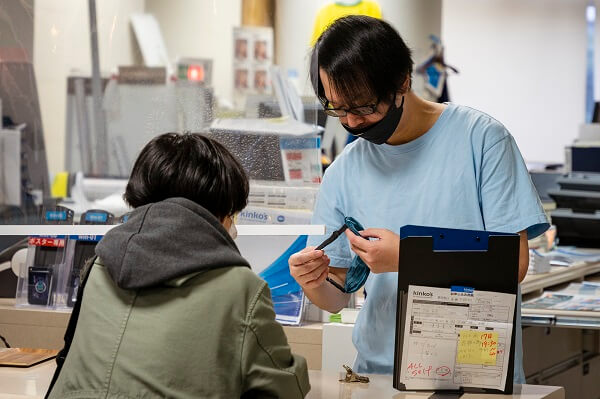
(170, 307)
(418, 162)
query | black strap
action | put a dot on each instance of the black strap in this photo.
(62, 355)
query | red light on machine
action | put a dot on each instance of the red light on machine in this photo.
(195, 73)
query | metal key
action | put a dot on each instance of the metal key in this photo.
(351, 376)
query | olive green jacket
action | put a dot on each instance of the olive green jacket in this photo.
(214, 336)
(208, 334)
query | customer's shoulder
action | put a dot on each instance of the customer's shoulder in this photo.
(239, 278)
(231, 287)
(245, 274)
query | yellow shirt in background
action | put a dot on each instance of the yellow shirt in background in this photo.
(329, 13)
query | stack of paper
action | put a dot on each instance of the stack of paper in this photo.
(561, 256)
(577, 296)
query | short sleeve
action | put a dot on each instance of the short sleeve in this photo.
(329, 212)
(509, 200)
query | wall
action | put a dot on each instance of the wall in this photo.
(62, 44)
(201, 28)
(523, 62)
(415, 20)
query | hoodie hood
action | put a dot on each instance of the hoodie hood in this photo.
(164, 241)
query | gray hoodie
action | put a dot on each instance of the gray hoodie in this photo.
(164, 241)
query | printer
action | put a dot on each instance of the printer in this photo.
(577, 217)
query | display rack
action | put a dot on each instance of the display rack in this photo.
(559, 318)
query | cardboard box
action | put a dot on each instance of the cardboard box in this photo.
(339, 349)
(307, 341)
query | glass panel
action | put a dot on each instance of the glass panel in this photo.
(81, 97)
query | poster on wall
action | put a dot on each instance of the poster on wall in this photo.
(253, 55)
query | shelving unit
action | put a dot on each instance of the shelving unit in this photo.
(562, 347)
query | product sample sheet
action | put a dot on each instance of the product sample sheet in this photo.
(456, 337)
(576, 297)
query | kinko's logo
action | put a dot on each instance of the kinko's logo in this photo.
(254, 215)
(422, 293)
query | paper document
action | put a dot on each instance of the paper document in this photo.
(456, 337)
(570, 256)
(577, 296)
(266, 126)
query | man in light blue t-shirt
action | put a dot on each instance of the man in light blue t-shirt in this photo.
(418, 163)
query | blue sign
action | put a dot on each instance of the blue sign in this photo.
(56, 215)
(92, 238)
(96, 217)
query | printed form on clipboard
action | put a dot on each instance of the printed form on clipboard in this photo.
(456, 337)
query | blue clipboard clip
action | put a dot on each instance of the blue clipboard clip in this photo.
(452, 239)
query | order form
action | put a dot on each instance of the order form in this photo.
(456, 337)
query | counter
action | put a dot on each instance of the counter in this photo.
(326, 385)
(33, 382)
(45, 329)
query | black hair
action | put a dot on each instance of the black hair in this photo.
(361, 55)
(191, 166)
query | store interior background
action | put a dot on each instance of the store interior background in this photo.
(521, 61)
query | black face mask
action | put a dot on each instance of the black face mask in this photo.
(381, 131)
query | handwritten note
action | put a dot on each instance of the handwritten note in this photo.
(418, 369)
(477, 347)
(448, 339)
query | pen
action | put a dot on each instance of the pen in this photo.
(328, 241)
(332, 237)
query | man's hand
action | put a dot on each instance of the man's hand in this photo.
(381, 255)
(309, 267)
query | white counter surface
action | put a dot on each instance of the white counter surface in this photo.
(33, 382)
(30, 382)
(326, 385)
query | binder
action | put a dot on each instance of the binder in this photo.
(440, 257)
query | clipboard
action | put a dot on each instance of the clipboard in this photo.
(440, 257)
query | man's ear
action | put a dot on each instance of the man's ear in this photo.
(407, 85)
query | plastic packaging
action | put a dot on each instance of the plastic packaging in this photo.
(42, 279)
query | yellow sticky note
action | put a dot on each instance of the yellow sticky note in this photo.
(477, 347)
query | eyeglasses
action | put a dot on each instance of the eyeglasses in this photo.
(362, 110)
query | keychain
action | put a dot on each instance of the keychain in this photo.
(351, 376)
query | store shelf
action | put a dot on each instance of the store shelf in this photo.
(242, 229)
(558, 275)
(559, 318)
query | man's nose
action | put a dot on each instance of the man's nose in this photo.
(354, 120)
